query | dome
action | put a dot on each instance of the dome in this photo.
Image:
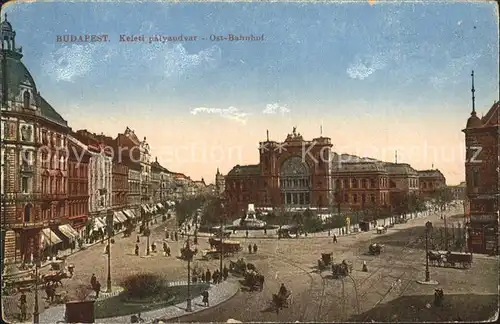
(6, 26)
(474, 121)
(17, 73)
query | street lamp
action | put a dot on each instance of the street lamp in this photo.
(109, 219)
(221, 237)
(36, 313)
(189, 256)
(428, 228)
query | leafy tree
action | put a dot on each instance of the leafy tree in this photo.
(442, 197)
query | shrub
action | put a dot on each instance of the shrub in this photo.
(144, 285)
(82, 292)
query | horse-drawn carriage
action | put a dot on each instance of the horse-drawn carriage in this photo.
(208, 254)
(253, 280)
(341, 269)
(375, 249)
(54, 277)
(325, 261)
(381, 229)
(228, 247)
(188, 253)
(450, 259)
(280, 301)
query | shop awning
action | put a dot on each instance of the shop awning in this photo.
(68, 231)
(145, 208)
(130, 214)
(50, 238)
(159, 205)
(99, 223)
(119, 217)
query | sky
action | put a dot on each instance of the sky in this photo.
(378, 77)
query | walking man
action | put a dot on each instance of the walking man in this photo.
(254, 248)
(97, 289)
(334, 238)
(205, 298)
(250, 248)
(23, 306)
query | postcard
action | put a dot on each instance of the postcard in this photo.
(264, 161)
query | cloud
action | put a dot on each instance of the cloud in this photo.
(364, 67)
(275, 108)
(178, 61)
(453, 70)
(230, 113)
(70, 62)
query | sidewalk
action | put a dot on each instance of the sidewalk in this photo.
(218, 294)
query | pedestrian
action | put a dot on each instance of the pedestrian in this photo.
(214, 277)
(136, 250)
(93, 281)
(254, 248)
(329, 233)
(265, 231)
(52, 292)
(23, 306)
(176, 237)
(225, 272)
(47, 290)
(137, 240)
(97, 289)
(250, 248)
(342, 231)
(365, 268)
(166, 233)
(205, 298)
(246, 233)
(334, 238)
(195, 240)
(208, 276)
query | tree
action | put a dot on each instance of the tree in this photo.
(442, 197)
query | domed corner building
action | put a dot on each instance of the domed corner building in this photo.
(482, 141)
(33, 158)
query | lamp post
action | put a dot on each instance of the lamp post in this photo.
(189, 256)
(36, 313)
(109, 219)
(428, 228)
(221, 236)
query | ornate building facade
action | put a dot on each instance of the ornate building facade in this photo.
(430, 181)
(220, 183)
(34, 158)
(78, 184)
(294, 173)
(482, 178)
(100, 178)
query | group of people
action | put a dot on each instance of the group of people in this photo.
(250, 248)
(96, 285)
(173, 235)
(215, 277)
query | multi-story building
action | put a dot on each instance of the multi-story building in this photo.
(119, 191)
(78, 184)
(100, 179)
(220, 183)
(134, 189)
(430, 181)
(294, 173)
(403, 182)
(34, 159)
(156, 173)
(482, 178)
(459, 191)
(361, 185)
(137, 152)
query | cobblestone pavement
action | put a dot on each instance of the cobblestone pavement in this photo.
(318, 297)
(218, 294)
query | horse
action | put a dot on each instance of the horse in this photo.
(55, 278)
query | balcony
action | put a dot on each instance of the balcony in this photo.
(25, 168)
(53, 196)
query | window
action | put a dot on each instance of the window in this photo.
(27, 213)
(363, 198)
(363, 183)
(346, 198)
(372, 198)
(354, 183)
(475, 178)
(26, 99)
(372, 183)
(24, 184)
(355, 198)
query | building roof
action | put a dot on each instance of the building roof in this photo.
(430, 173)
(336, 158)
(400, 169)
(359, 167)
(245, 170)
(492, 117)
